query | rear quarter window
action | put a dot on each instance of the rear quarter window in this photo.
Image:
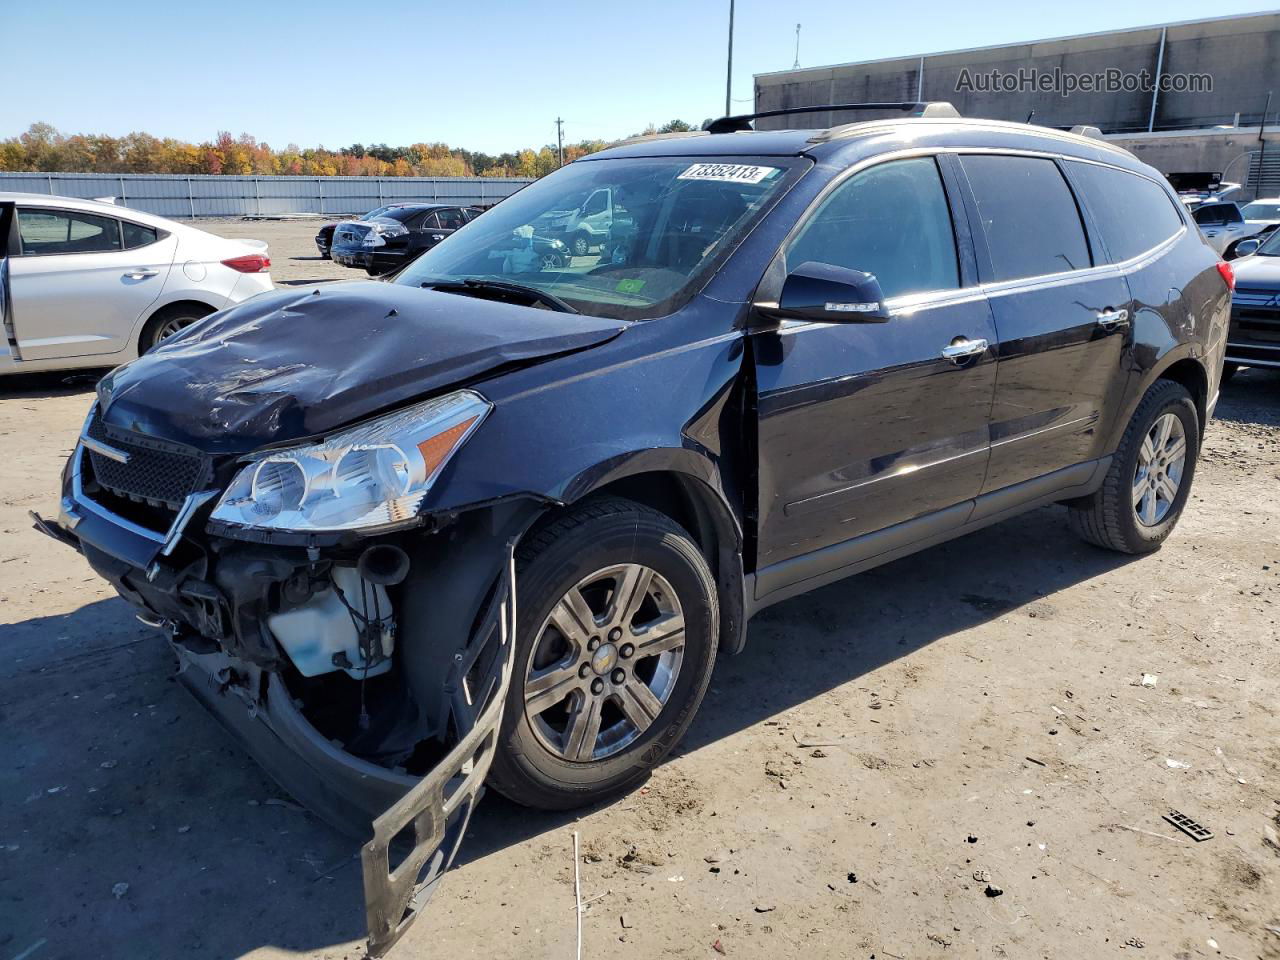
(136, 235)
(1132, 213)
(1029, 216)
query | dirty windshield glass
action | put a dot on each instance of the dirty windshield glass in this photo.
(616, 238)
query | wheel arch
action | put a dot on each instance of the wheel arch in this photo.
(165, 308)
(684, 486)
(1182, 366)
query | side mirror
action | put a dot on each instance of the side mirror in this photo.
(830, 294)
(1246, 247)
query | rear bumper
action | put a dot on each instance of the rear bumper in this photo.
(350, 258)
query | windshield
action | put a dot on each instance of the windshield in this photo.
(1261, 210)
(626, 238)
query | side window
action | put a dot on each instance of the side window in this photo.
(47, 233)
(1214, 215)
(450, 219)
(596, 203)
(430, 222)
(891, 220)
(1132, 213)
(1028, 215)
(136, 235)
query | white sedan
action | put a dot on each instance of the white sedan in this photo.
(85, 283)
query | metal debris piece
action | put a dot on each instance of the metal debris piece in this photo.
(993, 891)
(119, 890)
(1189, 826)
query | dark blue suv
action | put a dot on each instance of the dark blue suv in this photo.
(797, 355)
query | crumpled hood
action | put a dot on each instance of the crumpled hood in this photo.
(296, 363)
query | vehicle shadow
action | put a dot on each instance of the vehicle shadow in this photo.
(118, 777)
(1252, 396)
(56, 383)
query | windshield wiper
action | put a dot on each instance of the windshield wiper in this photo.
(473, 284)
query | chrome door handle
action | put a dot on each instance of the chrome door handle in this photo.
(141, 273)
(961, 349)
(1112, 318)
(437, 236)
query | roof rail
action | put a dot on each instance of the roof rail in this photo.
(1082, 130)
(936, 108)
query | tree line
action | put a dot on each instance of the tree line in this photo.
(43, 149)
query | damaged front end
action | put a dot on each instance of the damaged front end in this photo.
(364, 666)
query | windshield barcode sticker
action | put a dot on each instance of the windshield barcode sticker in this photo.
(728, 172)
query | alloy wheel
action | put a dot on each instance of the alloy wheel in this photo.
(1158, 475)
(172, 326)
(604, 663)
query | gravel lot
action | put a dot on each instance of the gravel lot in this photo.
(886, 754)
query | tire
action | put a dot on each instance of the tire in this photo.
(531, 766)
(580, 244)
(1110, 518)
(169, 321)
(1229, 370)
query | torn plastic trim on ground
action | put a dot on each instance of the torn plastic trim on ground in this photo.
(439, 807)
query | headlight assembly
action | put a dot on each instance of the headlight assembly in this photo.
(367, 476)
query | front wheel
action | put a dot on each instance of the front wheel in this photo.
(1149, 480)
(617, 633)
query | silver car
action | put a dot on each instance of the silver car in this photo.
(84, 283)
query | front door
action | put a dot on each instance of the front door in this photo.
(8, 244)
(1063, 322)
(76, 287)
(863, 426)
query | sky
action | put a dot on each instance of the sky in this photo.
(490, 76)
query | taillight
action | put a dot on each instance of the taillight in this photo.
(1228, 275)
(249, 263)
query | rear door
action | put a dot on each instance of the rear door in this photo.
(439, 224)
(1063, 317)
(81, 281)
(866, 425)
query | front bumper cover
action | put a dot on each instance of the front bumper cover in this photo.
(371, 802)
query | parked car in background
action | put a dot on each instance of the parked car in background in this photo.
(397, 235)
(1224, 225)
(91, 284)
(815, 352)
(324, 236)
(1254, 337)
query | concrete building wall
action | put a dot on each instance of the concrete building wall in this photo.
(1241, 54)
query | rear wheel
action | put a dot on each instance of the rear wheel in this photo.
(169, 321)
(614, 649)
(1149, 480)
(580, 244)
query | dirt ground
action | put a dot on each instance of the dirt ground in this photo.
(887, 754)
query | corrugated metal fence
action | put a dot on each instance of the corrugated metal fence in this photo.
(211, 196)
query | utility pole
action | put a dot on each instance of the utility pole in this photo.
(796, 65)
(560, 139)
(728, 83)
(1262, 146)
